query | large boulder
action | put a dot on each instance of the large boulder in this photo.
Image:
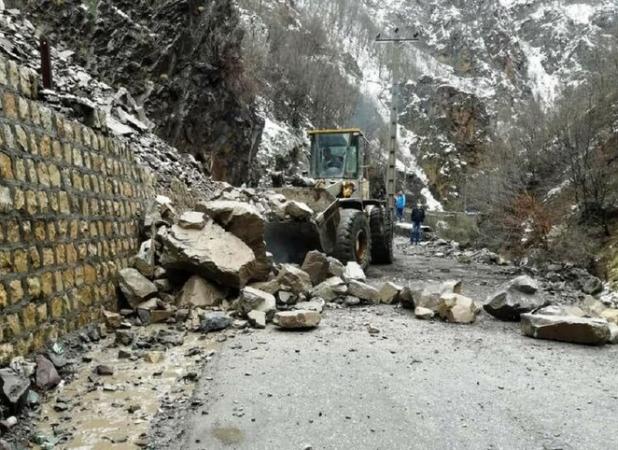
(135, 287)
(316, 264)
(192, 220)
(14, 385)
(456, 308)
(246, 223)
(215, 321)
(252, 299)
(354, 272)
(578, 330)
(389, 293)
(330, 289)
(363, 291)
(144, 260)
(298, 320)
(198, 292)
(46, 374)
(293, 279)
(514, 298)
(593, 306)
(211, 252)
(429, 295)
(298, 211)
(335, 267)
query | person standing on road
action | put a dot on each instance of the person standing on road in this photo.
(418, 217)
(400, 204)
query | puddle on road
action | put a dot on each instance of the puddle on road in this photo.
(102, 419)
(228, 435)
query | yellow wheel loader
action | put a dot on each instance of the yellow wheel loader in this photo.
(346, 223)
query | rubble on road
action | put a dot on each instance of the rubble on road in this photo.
(456, 308)
(317, 265)
(300, 319)
(354, 272)
(578, 330)
(135, 286)
(515, 298)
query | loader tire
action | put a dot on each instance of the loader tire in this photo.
(353, 238)
(381, 224)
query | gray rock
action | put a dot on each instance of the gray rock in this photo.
(212, 252)
(163, 285)
(354, 272)
(215, 321)
(104, 370)
(352, 301)
(145, 259)
(298, 211)
(389, 293)
(578, 330)
(257, 319)
(192, 220)
(286, 298)
(515, 298)
(335, 267)
(456, 308)
(135, 286)
(613, 330)
(317, 265)
(293, 279)
(252, 299)
(300, 319)
(14, 385)
(315, 304)
(198, 292)
(124, 337)
(46, 374)
(593, 306)
(423, 313)
(592, 286)
(246, 223)
(363, 291)
(330, 289)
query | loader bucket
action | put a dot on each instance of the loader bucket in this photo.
(289, 242)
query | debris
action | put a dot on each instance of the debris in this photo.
(297, 210)
(578, 330)
(14, 385)
(198, 292)
(135, 286)
(363, 291)
(257, 319)
(389, 293)
(46, 374)
(210, 252)
(8, 423)
(215, 321)
(124, 337)
(423, 313)
(456, 308)
(372, 330)
(515, 298)
(104, 370)
(293, 279)
(315, 304)
(354, 272)
(592, 286)
(112, 319)
(593, 306)
(317, 265)
(253, 299)
(192, 220)
(330, 289)
(144, 260)
(300, 319)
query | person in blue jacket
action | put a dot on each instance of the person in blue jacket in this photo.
(400, 204)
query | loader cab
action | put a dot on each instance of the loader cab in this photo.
(337, 154)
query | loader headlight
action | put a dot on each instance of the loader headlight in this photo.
(347, 189)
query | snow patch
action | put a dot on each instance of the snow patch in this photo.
(546, 86)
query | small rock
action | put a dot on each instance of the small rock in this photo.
(423, 313)
(389, 293)
(352, 301)
(104, 370)
(215, 321)
(112, 319)
(253, 299)
(354, 272)
(154, 357)
(257, 319)
(330, 289)
(373, 330)
(135, 286)
(363, 291)
(297, 319)
(46, 374)
(192, 220)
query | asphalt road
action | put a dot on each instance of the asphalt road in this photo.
(415, 385)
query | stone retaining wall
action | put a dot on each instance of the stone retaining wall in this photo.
(70, 199)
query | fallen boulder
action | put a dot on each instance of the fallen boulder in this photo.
(515, 298)
(578, 330)
(14, 385)
(317, 265)
(330, 289)
(246, 223)
(456, 308)
(298, 211)
(593, 306)
(429, 295)
(363, 291)
(46, 374)
(215, 321)
(135, 286)
(257, 319)
(144, 260)
(293, 279)
(252, 299)
(389, 293)
(211, 252)
(335, 267)
(300, 319)
(423, 313)
(354, 272)
(611, 315)
(192, 220)
(198, 292)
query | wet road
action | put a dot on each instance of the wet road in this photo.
(415, 385)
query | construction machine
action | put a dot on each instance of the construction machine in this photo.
(346, 222)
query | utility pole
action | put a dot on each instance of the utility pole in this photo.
(391, 169)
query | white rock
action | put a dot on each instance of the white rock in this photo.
(257, 319)
(198, 292)
(363, 291)
(456, 308)
(252, 299)
(192, 220)
(298, 319)
(354, 272)
(423, 313)
(330, 289)
(389, 292)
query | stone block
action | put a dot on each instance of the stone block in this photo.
(16, 291)
(9, 105)
(6, 201)
(28, 317)
(6, 169)
(20, 261)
